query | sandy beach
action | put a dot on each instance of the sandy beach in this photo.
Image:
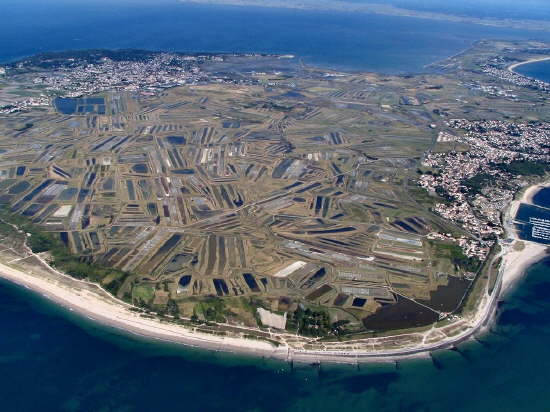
(94, 303)
(531, 191)
(519, 255)
(517, 261)
(95, 306)
(516, 65)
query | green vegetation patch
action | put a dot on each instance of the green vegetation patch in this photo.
(422, 196)
(211, 309)
(478, 182)
(142, 295)
(39, 241)
(251, 305)
(526, 168)
(519, 167)
(308, 322)
(61, 257)
(457, 256)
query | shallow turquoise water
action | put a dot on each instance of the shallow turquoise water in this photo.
(54, 360)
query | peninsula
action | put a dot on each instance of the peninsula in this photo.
(248, 203)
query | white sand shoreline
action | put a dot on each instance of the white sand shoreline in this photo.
(514, 66)
(93, 303)
(521, 254)
(95, 307)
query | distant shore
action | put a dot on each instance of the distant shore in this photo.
(94, 303)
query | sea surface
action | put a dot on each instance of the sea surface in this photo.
(533, 220)
(538, 70)
(533, 223)
(53, 360)
(542, 197)
(328, 39)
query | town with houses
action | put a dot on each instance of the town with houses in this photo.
(492, 145)
(137, 71)
(495, 69)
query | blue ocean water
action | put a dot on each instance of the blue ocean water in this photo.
(336, 40)
(52, 360)
(533, 223)
(542, 197)
(532, 220)
(538, 70)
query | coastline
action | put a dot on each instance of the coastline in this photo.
(93, 305)
(97, 307)
(520, 254)
(91, 301)
(514, 66)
